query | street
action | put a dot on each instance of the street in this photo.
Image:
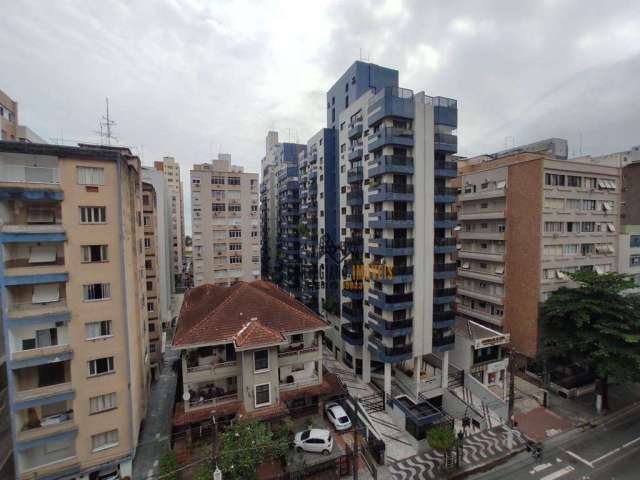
(610, 451)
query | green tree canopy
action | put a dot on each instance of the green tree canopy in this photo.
(169, 465)
(246, 445)
(596, 325)
(442, 439)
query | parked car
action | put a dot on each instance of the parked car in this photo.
(337, 416)
(316, 440)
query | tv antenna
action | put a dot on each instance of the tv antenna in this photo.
(106, 125)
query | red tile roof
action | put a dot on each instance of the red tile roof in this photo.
(216, 314)
(255, 334)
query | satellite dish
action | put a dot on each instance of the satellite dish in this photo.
(186, 396)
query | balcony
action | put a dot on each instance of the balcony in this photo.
(445, 195)
(59, 351)
(390, 328)
(355, 130)
(443, 296)
(444, 245)
(302, 354)
(29, 174)
(391, 164)
(301, 382)
(39, 461)
(443, 271)
(24, 267)
(391, 220)
(391, 136)
(446, 169)
(354, 174)
(352, 335)
(354, 221)
(390, 301)
(443, 343)
(203, 373)
(64, 389)
(389, 354)
(33, 423)
(391, 192)
(211, 397)
(445, 142)
(399, 274)
(486, 296)
(390, 247)
(355, 153)
(482, 255)
(484, 276)
(392, 102)
(428, 386)
(470, 214)
(463, 235)
(355, 197)
(445, 220)
(479, 314)
(352, 312)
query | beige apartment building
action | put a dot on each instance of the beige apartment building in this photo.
(225, 223)
(8, 117)
(171, 169)
(152, 274)
(249, 351)
(73, 307)
(526, 220)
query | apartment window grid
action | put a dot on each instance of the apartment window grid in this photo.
(96, 291)
(94, 253)
(102, 403)
(99, 329)
(101, 366)
(105, 440)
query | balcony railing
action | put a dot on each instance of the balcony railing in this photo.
(392, 298)
(27, 174)
(298, 352)
(217, 366)
(224, 397)
(392, 216)
(444, 292)
(303, 382)
(444, 216)
(391, 351)
(351, 335)
(40, 392)
(393, 242)
(444, 267)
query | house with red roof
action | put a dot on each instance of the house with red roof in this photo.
(248, 351)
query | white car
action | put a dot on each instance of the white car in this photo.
(338, 416)
(316, 440)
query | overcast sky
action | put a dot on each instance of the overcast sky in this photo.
(194, 78)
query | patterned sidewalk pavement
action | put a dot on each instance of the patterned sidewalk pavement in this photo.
(479, 448)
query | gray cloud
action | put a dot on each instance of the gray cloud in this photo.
(191, 78)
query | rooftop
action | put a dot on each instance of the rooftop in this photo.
(247, 314)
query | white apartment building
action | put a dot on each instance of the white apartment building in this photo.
(225, 223)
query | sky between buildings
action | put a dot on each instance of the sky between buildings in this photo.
(194, 78)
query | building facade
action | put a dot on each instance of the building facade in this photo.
(152, 272)
(8, 118)
(249, 351)
(73, 307)
(526, 221)
(225, 223)
(171, 171)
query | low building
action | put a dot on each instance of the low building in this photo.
(249, 351)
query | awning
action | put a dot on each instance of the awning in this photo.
(501, 184)
(46, 293)
(465, 265)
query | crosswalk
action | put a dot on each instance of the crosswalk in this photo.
(477, 449)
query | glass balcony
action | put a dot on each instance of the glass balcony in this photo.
(390, 192)
(390, 301)
(390, 328)
(445, 195)
(393, 102)
(444, 245)
(442, 296)
(391, 220)
(446, 142)
(390, 164)
(390, 136)
(443, 271)
(352, 312)
(354, 221)
(445, 220)
(354, 174)
(390, 247)
(446, 169)
(383, 353)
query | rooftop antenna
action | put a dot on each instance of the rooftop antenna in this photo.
(105, 127)
(59, 140)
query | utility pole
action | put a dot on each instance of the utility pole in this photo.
(355, 442)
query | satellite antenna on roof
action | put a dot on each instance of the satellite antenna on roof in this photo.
(106, 125)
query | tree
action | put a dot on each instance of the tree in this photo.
(595, 325)
(169, 465)
(246, 445)
(203, 472)
(442, 439)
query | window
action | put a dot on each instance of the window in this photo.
(235, 259)
(217, 180)
(588, 227)
(588, 204)
(102, 403)
(233, 181)
(570, 249)
(105, 440)
(218, 207)
(484, 246)
(573, 181)
(93, 214)
(573, 227)
(634, 260)
(607, 206)
(98, 329)
(90, 176)
(147, 243)
(484, 205)
(254, 234)
(195, 181)
(96, 291)
(263, 394)
(501, 227)
(151, 306)
(152, 346)
(94, 253)
(586, 249)
(255, 259)
(261, 360)
(235, 246)
(100, 366)
(590, 182)
(634, 241)
(254, 208)
(234, 207)
(297, 338)
(574, 204)
(553, 227)
(554, 180)
(235, 233)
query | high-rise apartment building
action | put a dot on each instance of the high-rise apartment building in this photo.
(8, 117)
(73, 307)
(280, 202)
(152, 272)
(526, 220)
(162, 246)
(171, 169)
(225, 223)
(396, 150)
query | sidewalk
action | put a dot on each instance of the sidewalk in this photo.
(156, 433)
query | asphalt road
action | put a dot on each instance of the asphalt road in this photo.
(610, 451)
